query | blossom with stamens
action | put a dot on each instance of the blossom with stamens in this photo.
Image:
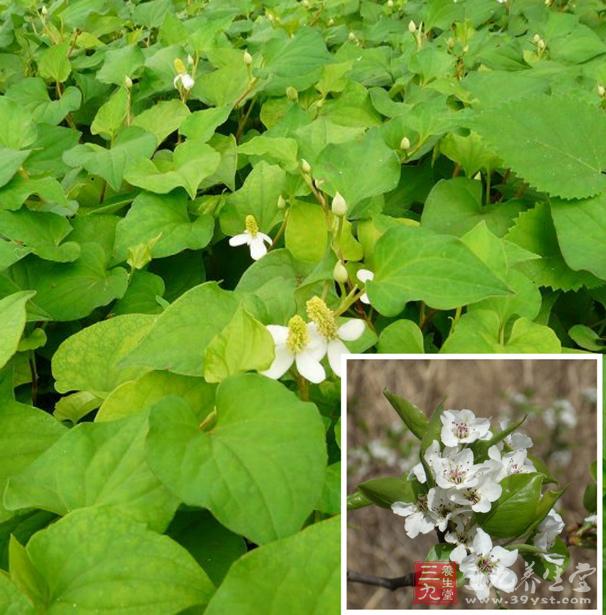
(456, 469)
(419, 519)
(441, 505)
(297, 343)
(489, 566)
(461, 534)
(323, 322)
(253, 238)
(462, 427)
(480, 497)
(515, 462)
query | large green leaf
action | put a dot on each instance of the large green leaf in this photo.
(557, 144)
(166, 217)
(25, 433)
(297, 575)
(483, 331)
(10, 162)
(178, 339)
(95, 560)
(68, 291)
(418, 264)
(42, 233)
(163, 118)
(534, 231)
(191, 163)
(454, 206)
(12, 323)
(141, 394)
(131, 145)
(515, 510)
(259, 468)
(340, 165)
(90, 359)
(95, 465)
(243, 345)
(581, 230)
(12, 601)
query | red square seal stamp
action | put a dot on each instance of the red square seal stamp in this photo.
(435, 583)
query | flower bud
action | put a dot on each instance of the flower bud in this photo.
(331, 22)
(541, 45)
(190, 60)
(339, 273)
(352, 37)
(305, 166)
(390, 4)
(44, 10)
(247, 58)
(128, 82)
(292, 93)
(281, 202)
(536, 38)
(601, 91)
(339, 205)
(179, 66)
(412, 26)
(405, 143)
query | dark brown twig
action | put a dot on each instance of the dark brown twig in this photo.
(407, 580)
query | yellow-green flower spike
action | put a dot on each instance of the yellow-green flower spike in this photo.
(323, 317)
(179, 66)
(298, 336)
(252, 227)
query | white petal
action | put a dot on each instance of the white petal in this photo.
(239, 240)
(265, 238)
(482, 543)
(364, 275)
(282, 361)
(504, 579)
(403, 508)
(419, 473)
(257, 248)
(351, 330)
(504, 556)
(317, 344)
(418, 523)
(458, 554)
(187, 81)
(481, 506)
(279, 333)
(176, 80)
(364, 299)
(309, 367)
(447, 436)
(336, 349)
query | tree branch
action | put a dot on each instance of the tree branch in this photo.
(407, 580)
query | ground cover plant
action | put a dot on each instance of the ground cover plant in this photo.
(203, 205)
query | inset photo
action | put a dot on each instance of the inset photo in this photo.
(472, 482)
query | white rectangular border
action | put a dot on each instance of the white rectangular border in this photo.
(598, 358)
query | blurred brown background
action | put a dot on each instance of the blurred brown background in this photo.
(559, 397)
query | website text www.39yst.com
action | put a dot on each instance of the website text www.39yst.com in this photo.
(530, 600)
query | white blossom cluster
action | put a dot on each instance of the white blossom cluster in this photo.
(464, 487)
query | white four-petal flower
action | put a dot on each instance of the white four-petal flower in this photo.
(253, 238)
(325, 325)
(298, 344)
(185, 80)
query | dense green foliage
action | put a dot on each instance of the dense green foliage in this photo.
(455, 150)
